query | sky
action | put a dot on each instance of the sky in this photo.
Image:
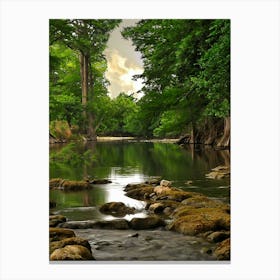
(123, 62)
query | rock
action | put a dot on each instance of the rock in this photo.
(77, 224)
(113, 224)
(100, 181)
(54, 183)
(221, 168)
(140, 193)
(153, 181)
(146, 223)
(189, 182)
(222, 251)
(69, 241)
(199, 201)
(134, 235)
(219, 172)
(67, 185)
(54, 220)
(71, 252)
(193, 221)
(159, 207)
(172, 194)
(57, 234)
(117, 209)
(218, 236)
(130, 187)
(165, 183)
(52, 204)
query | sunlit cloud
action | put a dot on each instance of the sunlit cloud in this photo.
(123, 63)
(120, 73)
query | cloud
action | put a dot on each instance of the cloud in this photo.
(120, 72)
(123, 62)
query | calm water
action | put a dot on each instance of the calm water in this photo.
(129, 162)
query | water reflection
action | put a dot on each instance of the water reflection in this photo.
(125, 163)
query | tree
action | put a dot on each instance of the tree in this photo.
(88, 39)
(186, 72)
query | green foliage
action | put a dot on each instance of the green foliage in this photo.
(71, 39)
(60, 129)
(186, 72)
(72, 156)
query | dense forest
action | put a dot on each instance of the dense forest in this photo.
(186, 81)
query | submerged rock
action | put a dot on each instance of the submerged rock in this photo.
(71, 252)
(117, 209)
(146, 223)
(113, 224)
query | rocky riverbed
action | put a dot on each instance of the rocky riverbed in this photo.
(179, 226)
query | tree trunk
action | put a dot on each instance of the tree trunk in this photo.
(84, 80)
(193, 133)
(225, 140)
(88, 116)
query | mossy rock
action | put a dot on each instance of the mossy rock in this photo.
(146, 223)
(112, 224)
(54, 220)
(175, 195)
(69, 241)
(71, 252)
(130, 187)
(100, 181)
(55, 183)
(117, 209)
(67, 185)
(193, 221)
(201, 201)
(222, 251)
(140, 193)
(159, 207)
(218, 236)
(57, 234)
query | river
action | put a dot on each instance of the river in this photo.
(127, 162)
(130, 162)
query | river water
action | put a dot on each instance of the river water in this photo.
(134, 162)
(130, 162)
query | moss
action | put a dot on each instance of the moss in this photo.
(57, 234)
(200, 201)
(54, 220)
(69, 241)
(158, 207)
(222, 251)
(130, 187)
(140, 193)
(71, 252)
(117, 209)
(55, 183)
(193, 221)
